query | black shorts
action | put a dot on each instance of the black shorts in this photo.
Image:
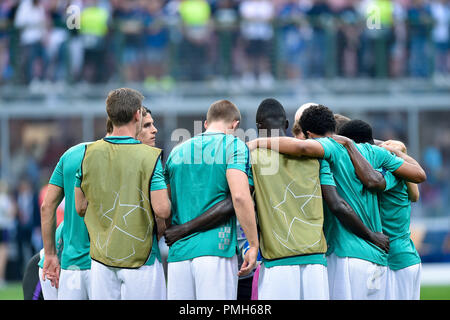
(4, 235)
(257, 48)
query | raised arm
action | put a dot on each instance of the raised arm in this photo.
(289, 146)
(245, 213)
(410, 170)
(51, 202)
(345, 214)
(369, 177)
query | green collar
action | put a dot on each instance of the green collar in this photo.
(121, 140)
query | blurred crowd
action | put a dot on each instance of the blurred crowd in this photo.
(253, 40)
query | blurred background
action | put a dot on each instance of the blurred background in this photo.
(383, 61)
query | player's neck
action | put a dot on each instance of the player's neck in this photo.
(219, 127)
(271, 133)
(128, 130)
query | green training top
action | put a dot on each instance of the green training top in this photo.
(196, 172)
(395, 208)
(364, 202)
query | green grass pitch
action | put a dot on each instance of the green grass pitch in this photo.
(13, 291)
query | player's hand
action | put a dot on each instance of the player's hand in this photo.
(174, 233)
(249, 261)
(392, 145)
(51, 270)
(341, 139)
(381, 240)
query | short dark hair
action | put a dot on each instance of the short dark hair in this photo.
(357, 130)
(121, 104)
(271, 114)
(223, 110)
(317, 119)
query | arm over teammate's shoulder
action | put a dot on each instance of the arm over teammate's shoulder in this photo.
(289, 146)
(401, 164)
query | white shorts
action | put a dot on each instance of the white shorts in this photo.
(404, 284)
(74, 284)
(355, 279)
(49, 292)
(295, 282)
(203, 278)
(144, 283)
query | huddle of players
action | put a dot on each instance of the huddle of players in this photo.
(355, 244)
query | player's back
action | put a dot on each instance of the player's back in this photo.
(363, 201)
(395, 209)
(196, 172)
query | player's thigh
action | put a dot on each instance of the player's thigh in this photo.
(408, 283)
(73, 285)
(279, 283)
(49, 292)
(215, 277)
(367, 279)
(314, 282)
(105, 284)
(180, 281)
(144, 283)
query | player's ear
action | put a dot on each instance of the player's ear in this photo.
(205, 124)
(235, 124)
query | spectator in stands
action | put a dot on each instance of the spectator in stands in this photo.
(195, 18)
(378, 39)
(32, 22)
(56, 45)
(419, 25)
(319, 15)
(226, 22)
(347, 42)
(27, 221)
(7, 212)
(94, 28)
(440, 11)
(129, 18)
(294, 36)
(156, 50)
(6, 18)
(257, 32)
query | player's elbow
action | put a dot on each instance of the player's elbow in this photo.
(422, 176)
(376, 184)
(414, 197)
(162, 212)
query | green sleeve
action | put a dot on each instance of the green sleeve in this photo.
(330, 148)
(78, 177)
(238, 156)
(326, 176)
(391, 180)
(57, 177)
(385, 159)
(158, 180)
